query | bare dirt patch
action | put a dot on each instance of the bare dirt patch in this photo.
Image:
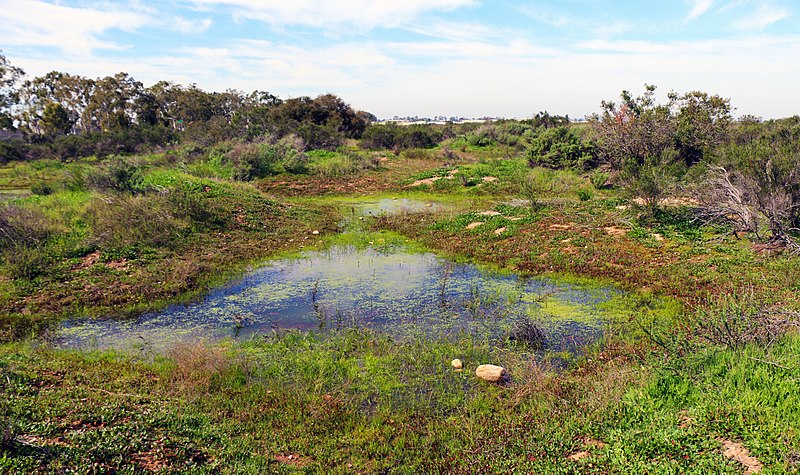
(615, 231)
(579, 455)
(294, 460)
(561, 226)
(87, 261)
(738, 452)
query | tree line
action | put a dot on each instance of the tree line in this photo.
(67, 115)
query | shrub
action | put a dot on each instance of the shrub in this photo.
(483, 136)
(120, 176)
(268, 157)
(22, 227)
(23, 262)
(584, 194)
(124, 221)
(599, 179)
(757, 188)
(536, 184)
(560, 147)
(41, 188)
(650, 181)
(395, 137)
(736, 320)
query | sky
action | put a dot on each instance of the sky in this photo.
(467, 58)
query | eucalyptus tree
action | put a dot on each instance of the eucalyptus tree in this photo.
(112, 103)
(72, 92)
(10, 75)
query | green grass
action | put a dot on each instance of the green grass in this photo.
(360, 401)
(654, 396)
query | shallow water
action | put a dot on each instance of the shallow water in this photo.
(399, 293)
(397, 206)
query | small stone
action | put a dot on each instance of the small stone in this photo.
(315, 232)
(499, 231)
(491, 373)
(489, 213)
(473, 225)
(456, 364)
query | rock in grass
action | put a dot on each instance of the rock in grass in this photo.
(456, 364)
(491, 373)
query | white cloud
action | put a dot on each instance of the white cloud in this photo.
(74, 30)
(764, 16)
(364, 14)
(699, 7)
(514, 49)
(546, 15)
(466, 68)
(454, 31)
(188, 26)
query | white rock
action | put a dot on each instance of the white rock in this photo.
(456, 364)
(315, 232)
(491, 373)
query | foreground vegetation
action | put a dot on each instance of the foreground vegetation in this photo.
(693, 214)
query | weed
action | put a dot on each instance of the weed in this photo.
(528, 333)
(599, 179)
(196, 365)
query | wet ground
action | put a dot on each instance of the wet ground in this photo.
(397, 292)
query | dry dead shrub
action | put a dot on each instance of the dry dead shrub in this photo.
(196, 365)
(757, 190)
(736, 320)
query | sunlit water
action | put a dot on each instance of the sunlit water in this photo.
(396, 292)
(397, 205)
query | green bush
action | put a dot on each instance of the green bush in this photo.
(332, 164)
(483, 136)
(560, 147)
(267, 157)
(120, 175)
(41, 188)
(535, 185)
(396, 137)
(599, 179)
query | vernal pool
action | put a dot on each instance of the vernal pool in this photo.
(401, 293)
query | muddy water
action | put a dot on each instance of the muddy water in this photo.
(397, 292)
